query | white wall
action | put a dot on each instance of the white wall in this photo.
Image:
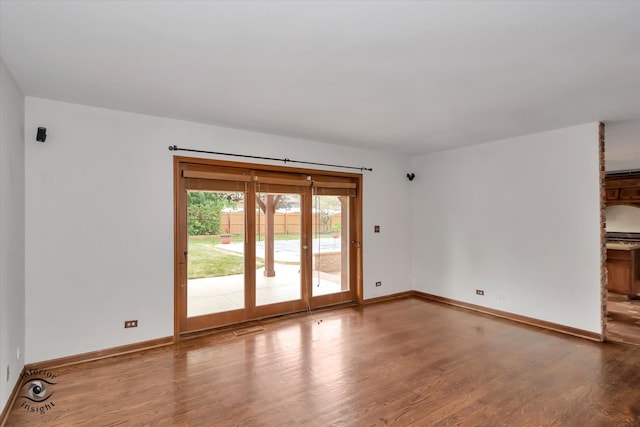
(518, 218)
(12, 295)
(99, 213)
(622, 145)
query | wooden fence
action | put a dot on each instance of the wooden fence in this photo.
(284, 223)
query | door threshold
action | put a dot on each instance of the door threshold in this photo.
(236, 329)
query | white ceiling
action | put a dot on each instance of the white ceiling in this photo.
(402, 76)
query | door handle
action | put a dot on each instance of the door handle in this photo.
(182, 285)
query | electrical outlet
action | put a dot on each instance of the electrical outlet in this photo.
(378, 284)
(130, 323)
(18, 353)
(479, 292)
(500, 297)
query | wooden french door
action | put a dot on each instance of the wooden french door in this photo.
(255, 241)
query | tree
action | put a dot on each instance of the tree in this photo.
(287, 202)
(325, 207)
(203, 211)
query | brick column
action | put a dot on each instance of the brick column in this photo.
(603, 236)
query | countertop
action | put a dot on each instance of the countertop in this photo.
(623, 246)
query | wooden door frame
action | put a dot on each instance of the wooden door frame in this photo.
(353, 236)
(180, 264)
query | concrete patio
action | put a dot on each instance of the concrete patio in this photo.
(219, 294)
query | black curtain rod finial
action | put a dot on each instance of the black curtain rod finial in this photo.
(173, 148)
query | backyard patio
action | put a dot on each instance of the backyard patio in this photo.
(218, 294)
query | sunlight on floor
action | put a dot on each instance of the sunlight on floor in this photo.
(219, 294)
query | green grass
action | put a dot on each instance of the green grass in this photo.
(205, 260)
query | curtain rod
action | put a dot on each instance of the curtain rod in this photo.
(285, 160)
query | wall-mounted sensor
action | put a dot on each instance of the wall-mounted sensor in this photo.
(42, 135)
(410, 176)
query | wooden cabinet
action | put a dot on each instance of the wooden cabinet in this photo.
(623, 262)
(631, 194)
(612, 193)
(623, 188)
(623, 271)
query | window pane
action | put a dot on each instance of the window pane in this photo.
(215, 261)
(330, 245)
(278, 228)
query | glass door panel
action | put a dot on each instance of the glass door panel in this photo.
(254, 243)
(278, 248)
(215, 245)
(330, 267)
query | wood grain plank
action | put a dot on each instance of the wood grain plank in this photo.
(402, 362)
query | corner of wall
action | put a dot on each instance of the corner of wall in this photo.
(502, 216)
(12, 221)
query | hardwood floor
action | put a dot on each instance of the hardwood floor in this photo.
(623, 319)
(402, 362)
